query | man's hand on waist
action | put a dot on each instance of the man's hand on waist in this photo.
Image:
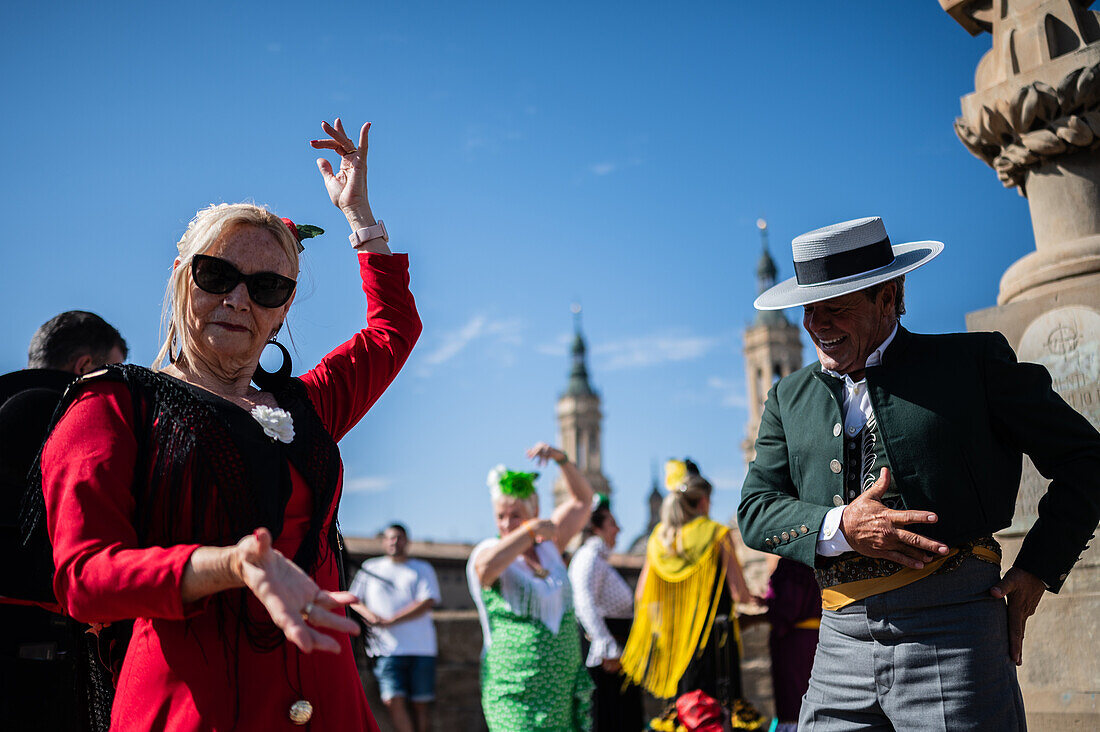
(874, 530)
(1023, 590)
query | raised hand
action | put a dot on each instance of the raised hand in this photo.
(1023, 590)
(874, 530)
(293, 600)
(544, 453)
(543, 529)
(347, 187)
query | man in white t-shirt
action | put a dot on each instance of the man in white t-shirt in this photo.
(396, 597)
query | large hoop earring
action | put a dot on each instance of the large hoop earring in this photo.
(273, 380)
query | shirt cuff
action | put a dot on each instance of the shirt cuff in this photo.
(364, 248)
(830, 540)
(601, 650)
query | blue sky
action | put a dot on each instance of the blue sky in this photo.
(526, 155)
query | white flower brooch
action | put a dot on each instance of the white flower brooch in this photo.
(277, 423)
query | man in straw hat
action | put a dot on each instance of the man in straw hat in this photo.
(887, 467)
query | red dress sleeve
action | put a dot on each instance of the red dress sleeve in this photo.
(349, 380)
(103, 575)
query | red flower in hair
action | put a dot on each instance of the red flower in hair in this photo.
(305, 231)
(293, 229)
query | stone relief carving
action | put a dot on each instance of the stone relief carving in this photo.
(1066, 341)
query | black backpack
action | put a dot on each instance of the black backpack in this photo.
(28, 400)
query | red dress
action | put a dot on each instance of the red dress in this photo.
(176, 668)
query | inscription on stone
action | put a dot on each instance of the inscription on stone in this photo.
(1067, 342)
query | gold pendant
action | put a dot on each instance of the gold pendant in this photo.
(301, 712)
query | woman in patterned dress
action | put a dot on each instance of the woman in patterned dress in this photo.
(532, 676)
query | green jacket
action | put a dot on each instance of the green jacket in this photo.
(955, 412)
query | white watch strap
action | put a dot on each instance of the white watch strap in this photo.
(362, 236)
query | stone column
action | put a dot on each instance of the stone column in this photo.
(1034, 117)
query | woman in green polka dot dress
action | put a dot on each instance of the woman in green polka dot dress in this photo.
(532, 675)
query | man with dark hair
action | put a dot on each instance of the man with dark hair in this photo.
(396, 596)
(76, 341)
(888, 467)
(39, 649)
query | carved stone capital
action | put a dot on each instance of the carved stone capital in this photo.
(1037, 91)
(1038, 123)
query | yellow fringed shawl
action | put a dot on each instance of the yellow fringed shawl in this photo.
(672, 622)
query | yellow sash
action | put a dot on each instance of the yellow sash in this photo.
(677, 608)
(841, 595)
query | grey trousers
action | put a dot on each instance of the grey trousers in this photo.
(929, 656)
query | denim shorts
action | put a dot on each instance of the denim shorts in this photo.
(412, 677)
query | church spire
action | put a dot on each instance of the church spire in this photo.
(766, 273)
(773, 347)
(578, 375)
(580, 421)
(765, 268)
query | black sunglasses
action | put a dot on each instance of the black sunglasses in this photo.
(218, 277)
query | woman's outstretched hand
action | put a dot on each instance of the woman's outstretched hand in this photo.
(293, 600)
(347, 187)
(544, 453)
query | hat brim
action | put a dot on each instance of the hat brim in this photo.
(907, 257)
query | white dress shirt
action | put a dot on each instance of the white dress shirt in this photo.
(599, 592)
(857, 411)
(387, 587)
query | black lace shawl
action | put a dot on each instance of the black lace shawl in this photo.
(206, 472)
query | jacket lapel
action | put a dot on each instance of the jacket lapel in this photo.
(833, 385)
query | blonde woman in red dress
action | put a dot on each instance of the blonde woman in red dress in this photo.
(204, 507)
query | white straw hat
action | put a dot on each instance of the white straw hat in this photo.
(844, 258)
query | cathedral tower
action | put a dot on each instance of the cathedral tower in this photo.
(579, 420)
(773, 348)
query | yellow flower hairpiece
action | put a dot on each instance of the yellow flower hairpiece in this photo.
(676, 474)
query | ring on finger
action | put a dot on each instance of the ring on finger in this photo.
(307, 610)
(349, 152)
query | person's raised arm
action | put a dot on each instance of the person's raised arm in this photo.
(491, 561)
(572, 515)
(348, 381)
(347, 186)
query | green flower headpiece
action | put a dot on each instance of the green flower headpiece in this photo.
(511, 483)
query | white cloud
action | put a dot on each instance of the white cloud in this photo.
(728, 480)
(650, 350)
(506, 331)
(475, 141)
(483, 138)
(558, 348)
(602, 168)
(731, 393)
(367, 484)
(456, 340)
